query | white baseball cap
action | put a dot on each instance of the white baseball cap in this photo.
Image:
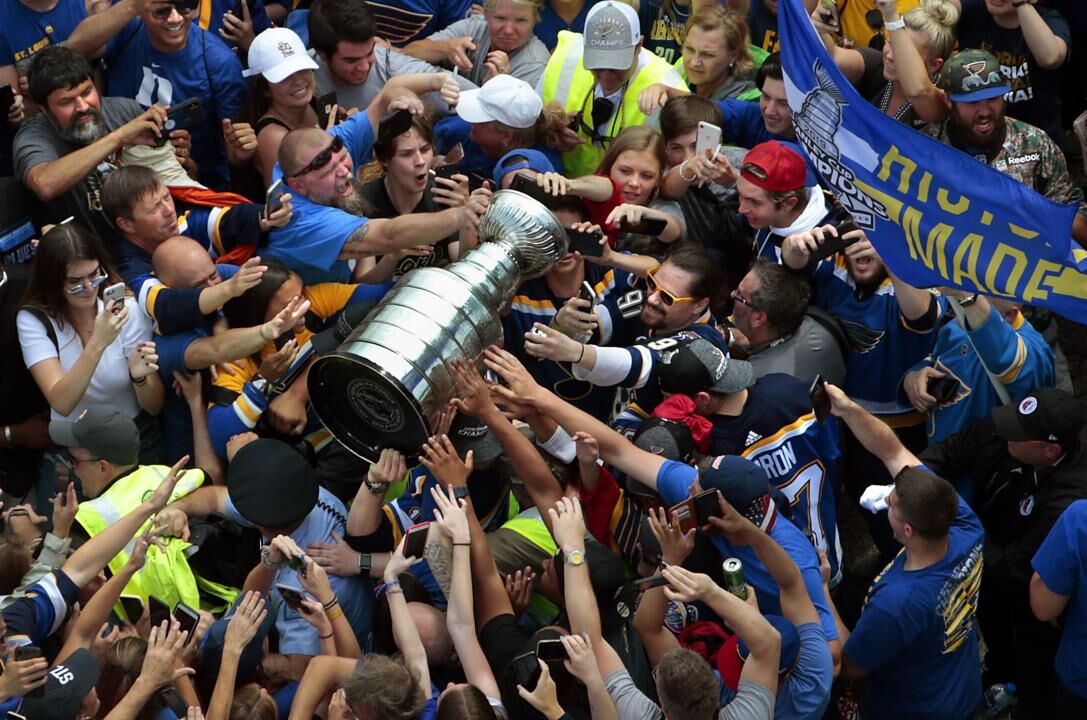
(611, 36)
(504, 98)
(278, 53)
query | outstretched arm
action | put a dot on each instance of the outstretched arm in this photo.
(871, 433)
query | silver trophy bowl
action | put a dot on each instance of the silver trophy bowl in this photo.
(383, 387)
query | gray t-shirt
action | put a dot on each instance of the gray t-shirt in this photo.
(38, 141)
(526, 62)
(387, 64)
(811, 351)
(752, 702)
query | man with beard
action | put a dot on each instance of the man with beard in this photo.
(328, 227)
(977, 125)
(889, 326)
(63, 154)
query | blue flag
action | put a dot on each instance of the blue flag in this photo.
(936, 216)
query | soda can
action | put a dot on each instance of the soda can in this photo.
(735, 583)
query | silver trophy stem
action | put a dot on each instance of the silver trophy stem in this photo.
(386, 382)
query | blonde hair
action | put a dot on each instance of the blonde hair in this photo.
(935, 20)
(548, 128)
(536, 6)
(734, 28)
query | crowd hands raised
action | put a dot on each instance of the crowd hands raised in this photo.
(631, 507)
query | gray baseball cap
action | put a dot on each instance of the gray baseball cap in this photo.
(612, 34)
(105, 433)
(700, 366)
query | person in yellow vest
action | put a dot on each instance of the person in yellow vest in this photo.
(598, 75)
(104, 446)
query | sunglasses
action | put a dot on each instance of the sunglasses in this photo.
(322, 158)
(82, 287)
(652, 286)
(183, 7)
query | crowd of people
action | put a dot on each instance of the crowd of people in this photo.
(724, 463)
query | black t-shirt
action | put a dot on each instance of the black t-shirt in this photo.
(1034, 97)
(381, 206)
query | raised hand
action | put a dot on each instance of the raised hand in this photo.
(474, 395)
(65, 506)
(164, 646)
(675, 545)
(441, 459)
(732, 524)
(520, 385)
(338, 558)
(544, 697)
(686, 586)
(161, 497)
(389, 468)
(275, 364)
(244, 624)
(286, 319)
(143, 361)
(450, 514)
(519, 587)
(568, 524)
(248, 276)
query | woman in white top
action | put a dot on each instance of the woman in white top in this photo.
(93, 352)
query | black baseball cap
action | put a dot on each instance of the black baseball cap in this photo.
(1047, 414)
(67, 683)
(271, 484)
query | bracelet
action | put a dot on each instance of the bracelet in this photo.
(330, 604)
(392, 584)
(898, 24)
(683, 177)
(393, 589)
(139, 383)
(581, 355)
(467, 544)
(260, 329)
(325, 637)
(337, 612)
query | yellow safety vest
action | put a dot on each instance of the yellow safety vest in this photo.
(166, 573)
(566, 81)
(536, 533)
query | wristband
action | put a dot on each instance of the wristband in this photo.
(336, 612)
(330, 604)
(467, 544)
(581, 355)
(376, 489)
(141, 382)
(325, 637)
(260, 329)
(898, 24)
(266, 561)
(461, 492)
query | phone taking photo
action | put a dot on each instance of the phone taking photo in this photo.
(833, 245)
(586, 292)
(524, 184)
(415, 542)
(708, 139)
(551, 651)
(273, 199)
(114, 293)
(648, 583)
(586, 243)
(292, 597)
(646, 226)
(324, 106)
(820, 400)
(704, 506)
(186, 114)
(158, 611)
(187, 618)
(133, 607)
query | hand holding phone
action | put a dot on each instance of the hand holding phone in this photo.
(820, 400)
(551, 651)
(832, 245)
(188, 619)
(588, 244)
(648, 583)
(415, 543)
(586, 292)
(292, 597)
(273, 199)
(325, 105)
(114, 294)
(708, 139)
(645, 226)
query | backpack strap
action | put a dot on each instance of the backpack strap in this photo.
(832, 326)
(43, 318)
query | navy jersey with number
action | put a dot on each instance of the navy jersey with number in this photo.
(618, 312)
(778, 431)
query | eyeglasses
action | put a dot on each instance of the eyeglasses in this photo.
(94, 284)
(322, 158)
(74, 461)
(669, 299)
(741, 299)
(183, 7)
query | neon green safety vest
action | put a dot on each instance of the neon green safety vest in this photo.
(166, 573)
(533, 530)
(566, 81)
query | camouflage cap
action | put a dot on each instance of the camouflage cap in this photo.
(972, 75)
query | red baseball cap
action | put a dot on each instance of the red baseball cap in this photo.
(774, 167)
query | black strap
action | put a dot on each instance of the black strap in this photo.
(43, 318)
(832, 326)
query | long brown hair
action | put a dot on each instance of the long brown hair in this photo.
(62, 245)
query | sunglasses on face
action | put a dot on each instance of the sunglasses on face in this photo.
(322, 158)
(82, 287)
(666, 297)
(183, 7)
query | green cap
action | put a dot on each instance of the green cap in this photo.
(972, 75)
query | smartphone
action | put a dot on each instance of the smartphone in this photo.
(709, 138)
(292, 596)
(832, 245)
(551, 651)
(648, 583)
(188, 618)
(133, 607)
(186, 114)
(586, 292)
(524, 184)
(114, 292)
(273, 199)
(415, 544)
(704, 506)
(828, 13)
(446, 171)
(475, 182)
(173, 700)
(158, 610)
(394, 125)
(27, 652)
(586, 243)
(324, 107)
(526, 669)
(944, 389)
(682, 511)
(12, 715)
(7, 99)
(645, 226)
(820, 401)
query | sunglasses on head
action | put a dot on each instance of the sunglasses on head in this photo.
(322, 158)
(183, 7)
(652, 286)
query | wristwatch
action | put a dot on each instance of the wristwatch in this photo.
(375, 488)
(575, 558)
(461, 491)
(366, 562)
(968, 301)
(266, 561)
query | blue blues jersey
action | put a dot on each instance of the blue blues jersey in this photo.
(883, 345)
(1015, 353)
(25, 32)
(401, 21)
(619, 323)
(778, 431)
(211, 13)
(40, 612)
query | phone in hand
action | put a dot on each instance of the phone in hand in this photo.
(273, 199)
(820, 400)
(172, 699)
(475, 181)
(133, 607)
(188, 618)
(526, 669)
(586, 243)
(324, 106)
(446, 171)
(648, 583)
(158, 611)
(645, 226)
(27, 652)
(828, 14)
(551, 651)
(186, 114)
(682, 511)
(7, 99)
(704, 506)
(292, 597)
(415, 542)
(114, 293)
(524, 184)
(832, 245)
(708, 139)
(586, 292)
(297, 563)
(944, 389)
(393, 125)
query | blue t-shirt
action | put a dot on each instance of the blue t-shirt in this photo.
(356, 594)
(805, 695)
(550, 23)
(673, 483)
(401, 21)
(206, 69)
(311, 243)
(742, 125)
(917, 635)
(24, 32)
(1061, 562)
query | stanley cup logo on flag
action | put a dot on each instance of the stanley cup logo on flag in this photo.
(937, 217)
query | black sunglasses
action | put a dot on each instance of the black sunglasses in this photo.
(322, 158)
(183, 7)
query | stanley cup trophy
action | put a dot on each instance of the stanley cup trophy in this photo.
(388, 380)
